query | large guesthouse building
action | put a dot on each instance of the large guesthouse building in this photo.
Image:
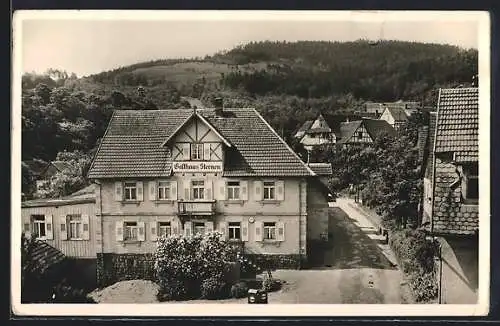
(165, 172)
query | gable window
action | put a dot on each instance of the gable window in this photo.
(130, 189)
(269, 190)
(163, 190)
(360, 134)
(269, 231)
(131, 230)
(39, 230)
(164, 229)
(233, 190)
(470, 182)
(234, 229)
(198, 189)
(199, 228)
(75, 226)
(196, 152)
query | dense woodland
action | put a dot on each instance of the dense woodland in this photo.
(64, 116)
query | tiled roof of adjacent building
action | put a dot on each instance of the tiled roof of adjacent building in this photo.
(85, 195)
(347, 130)
(374, 127)
(458, 123)
(45, 255)
(321, 169)
(319, 126)
(132, 144)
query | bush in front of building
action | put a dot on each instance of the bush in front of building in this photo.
(416, 258)
(188, 267)
(239, 290)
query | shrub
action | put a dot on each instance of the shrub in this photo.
(239, 290)
(214, 288)
(67, 294)
(172, 290)
(424, 286)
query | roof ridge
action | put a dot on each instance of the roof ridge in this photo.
(284, 142)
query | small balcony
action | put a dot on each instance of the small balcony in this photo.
(196, 207)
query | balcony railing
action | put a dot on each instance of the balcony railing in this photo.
(196, 207)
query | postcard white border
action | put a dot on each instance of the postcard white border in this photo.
(327, 310)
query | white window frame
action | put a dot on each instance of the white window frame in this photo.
(198, 189)
(129, 190)
(39, 225)
(196, 151)
(164, 188)
(130, 228)
(78, 224)
(467, 176)
(231, 230)
(164, 229)
(199, 225)
(270, 231)
(268, 190)
(233, 188)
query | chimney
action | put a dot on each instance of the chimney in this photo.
(219, 106)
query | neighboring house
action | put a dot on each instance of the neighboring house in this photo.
(166, 172)
(378, 109)
(314, 133)
(394, 116)
(451, 191)
(363, 131)
(48, 172)
(317, 206)
(68, 223)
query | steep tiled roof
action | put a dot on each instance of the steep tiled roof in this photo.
(305, 126)
(398, 114)
(319, 125)
(347, 129)
(321, 169)
(45, 255)
(132, 145)
(377, 127)
(458, 123)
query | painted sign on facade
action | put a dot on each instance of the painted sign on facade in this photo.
(190, 166)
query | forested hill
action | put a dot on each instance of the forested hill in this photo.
(287, 82)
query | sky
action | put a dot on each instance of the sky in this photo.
(90, 44)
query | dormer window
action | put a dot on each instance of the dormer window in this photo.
(196, 152)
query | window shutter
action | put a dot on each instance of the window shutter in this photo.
(244, 190)
(258, 190)
(176, 227)
(154, 230)
(63, 227)
(118, 191)
(258, 230)
(141, 234)
(152, 190)
(86, 227)
(280, 190)
(209, 227)
(223, 229)
(27, 229)
(187, 189)
(244, 231)
(281, 231)
(208, 188)
(188, 231)
(173, 190)
(140, 192)
(119, 230)
(221, 191)
(186, 155)
(49, 233)
(206, 152)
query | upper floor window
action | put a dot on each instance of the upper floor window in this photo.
(198, 189)
(196, 152)
(39, 226)
(233, 190)
(269, 190)
(130, 189)
(163, 190)
(75, 226)
(470, 182)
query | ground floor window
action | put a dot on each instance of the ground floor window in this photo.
(199, 228)
(234, 229)
(269, 230)
(164, 229)
(39, 226)
(75, 226)
(131, 230)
